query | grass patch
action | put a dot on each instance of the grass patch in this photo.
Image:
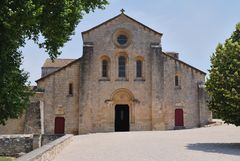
(6, 158)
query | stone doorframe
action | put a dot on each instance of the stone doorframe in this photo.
(122, 96)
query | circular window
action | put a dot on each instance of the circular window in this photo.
(122, 39)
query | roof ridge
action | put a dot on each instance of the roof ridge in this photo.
(101, 23)
(117, 17)
(184, 63)
(58, 69)
(56, 62)
(61, 59)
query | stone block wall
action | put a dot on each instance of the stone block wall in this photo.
(32, 123)
(13, 126)
(57, 100)
(29, 123)
(96, 113)
(47, 152)
(17, 145)
(48, 70)
(154, 96)
(14, 145)
(185, 96)
(45, 139)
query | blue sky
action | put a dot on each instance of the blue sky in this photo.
(191, 27)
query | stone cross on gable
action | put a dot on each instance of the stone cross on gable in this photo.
(122, 10)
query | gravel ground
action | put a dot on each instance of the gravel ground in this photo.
(218, 143)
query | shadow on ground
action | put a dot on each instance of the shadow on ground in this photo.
(224, 148)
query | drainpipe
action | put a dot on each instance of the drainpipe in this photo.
(42, 122)
(200, 86)
(42, 117)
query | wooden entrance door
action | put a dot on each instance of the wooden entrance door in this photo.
(179, 117)
(59, 125)
(121, 118)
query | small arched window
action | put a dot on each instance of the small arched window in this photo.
(104, 68)
(70, 89)
(176, 81)
(122, 66)
(139, 68)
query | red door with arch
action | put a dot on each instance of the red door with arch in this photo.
(59, 125)
(179, 117)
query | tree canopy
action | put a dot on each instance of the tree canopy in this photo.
(20, 20)
(223, 84)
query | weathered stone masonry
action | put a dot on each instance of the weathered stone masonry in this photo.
(152, 100)
(123, 81)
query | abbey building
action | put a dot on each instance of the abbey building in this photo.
(122, 82)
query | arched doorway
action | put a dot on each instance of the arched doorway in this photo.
(123, 109)
(121, 118)
(59, 125)
(179, 117)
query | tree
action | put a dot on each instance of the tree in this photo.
(54, 20)
(223, 84)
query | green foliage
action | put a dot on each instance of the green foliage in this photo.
(6, 158)
(223, 84)
(20, 20)
(14, 94)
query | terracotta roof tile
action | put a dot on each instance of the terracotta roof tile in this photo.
(58, 63)
(60, 68)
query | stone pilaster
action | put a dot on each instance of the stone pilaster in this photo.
(85, 109)
(157, 87)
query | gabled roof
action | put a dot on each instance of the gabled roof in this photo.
(72, 62)
(76, 60)
(182, 62)
(57, 63)
(122, 14)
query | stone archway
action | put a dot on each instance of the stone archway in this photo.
(123, 97)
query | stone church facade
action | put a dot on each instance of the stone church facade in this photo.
(122, 82)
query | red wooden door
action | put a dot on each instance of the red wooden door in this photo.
(59, 125)
(179, 117)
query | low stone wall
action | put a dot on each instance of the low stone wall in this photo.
(45, 139)
(17, 145)
(48, 151)
(14, 145)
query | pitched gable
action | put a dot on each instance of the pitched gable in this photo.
(57, 63)
(62, 66)
(122, 15)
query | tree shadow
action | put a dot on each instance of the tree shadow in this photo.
(224, 148)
